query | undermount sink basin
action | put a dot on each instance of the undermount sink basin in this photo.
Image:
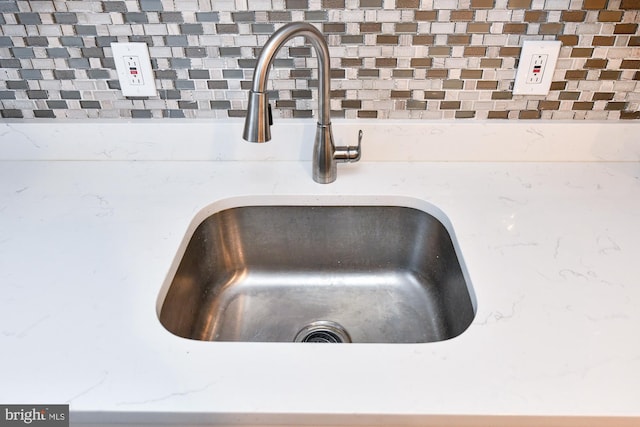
(362, 274)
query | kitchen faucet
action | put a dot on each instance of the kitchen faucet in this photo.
(258, 119)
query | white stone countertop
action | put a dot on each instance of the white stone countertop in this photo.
(546, 215)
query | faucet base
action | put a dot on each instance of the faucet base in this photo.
(324, 165)
(326, 155)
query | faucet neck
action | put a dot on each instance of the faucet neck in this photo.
(317, 40)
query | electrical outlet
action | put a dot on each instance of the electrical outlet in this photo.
(133, 65)
(537, 63)
(536, 69)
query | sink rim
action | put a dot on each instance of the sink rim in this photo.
(311, 200)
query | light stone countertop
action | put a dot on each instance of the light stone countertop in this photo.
(551, 247)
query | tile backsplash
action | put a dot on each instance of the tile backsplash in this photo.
(429, 59)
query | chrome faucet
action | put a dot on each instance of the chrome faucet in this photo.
(258, 119)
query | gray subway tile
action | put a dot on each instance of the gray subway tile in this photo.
(220, 105)
(227, 28)
(90, 104)
(230, 51)
(301, 94)
(79, 63)
(64, 74)
(207, 17)
(22, 52)
(283, 63)
(71, 41)
(413, 104)
(5, 41)
(86, 30)
(9, 6)
(141, 114)
(113, 84)
(7, 94)
(92, 52)
(170, 94)
(136, 18)
(151, 5)
(180, 62)
(243, 16)
(141, 39)
(10, 63)
(28, 18)
(188, 105)
(297, 4)
(57, 104)
(316, 15)
(279, 16)
(65, 18)
(57, 52)
(105, 41)
(114, 6)
(173, 114)
(217, 84)
(29, 74)
(300, 51)
(44, 114)
(302, 114)
(286, 104)
(262, 28)
(195, 52)
(199, 74)
(37, 94)
(11, 113)
(191, 29)
(108, 63)
(70, 94)
(176, 41)
(36, 41)
(352, 39)
(185, 84)
(98, 74)
(17, 84)
(233, 74)
(304, 73)
(248, 63)
(166, 74)
(171, 17)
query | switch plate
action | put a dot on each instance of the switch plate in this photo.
(133, 65)
(537, 64)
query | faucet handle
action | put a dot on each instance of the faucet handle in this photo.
(349, 153)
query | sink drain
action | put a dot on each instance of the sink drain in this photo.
(323, 331)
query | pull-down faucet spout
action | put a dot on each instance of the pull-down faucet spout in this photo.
(258, 119)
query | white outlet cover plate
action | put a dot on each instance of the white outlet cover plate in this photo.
(141, 50)
(529, 49)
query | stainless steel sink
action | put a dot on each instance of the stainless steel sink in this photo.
(362, 274)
